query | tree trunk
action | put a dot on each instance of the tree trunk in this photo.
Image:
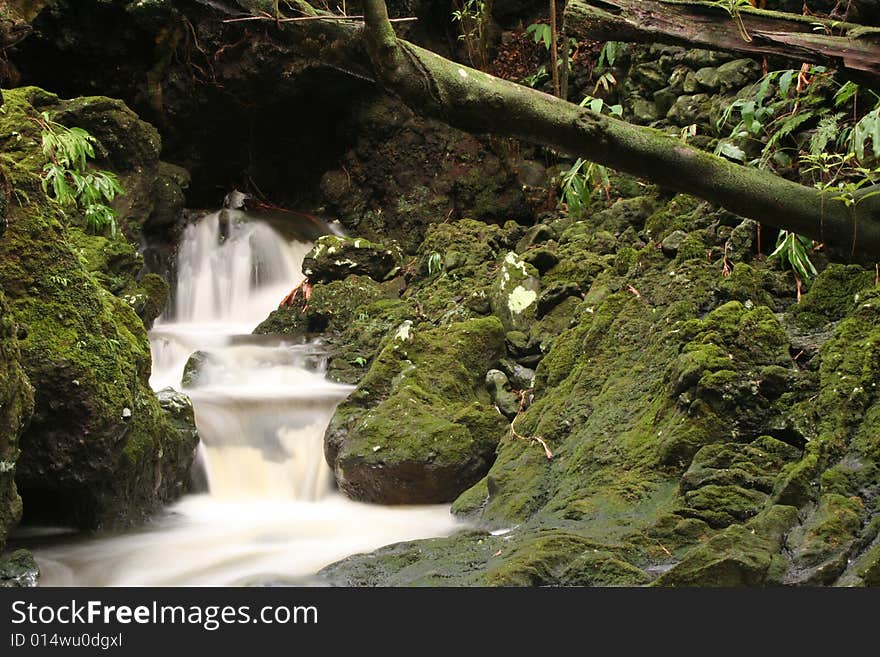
(477, 102)
(854, 49)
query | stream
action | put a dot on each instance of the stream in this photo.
(270, 513)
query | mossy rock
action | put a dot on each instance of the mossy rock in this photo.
(16, 406)
(99, 450)
(420, 427)
(821, 546)
(462, 243)
(334, 258)
(18, 569)
(741, 555)
(833, 294)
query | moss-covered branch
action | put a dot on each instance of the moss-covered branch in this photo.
(850, 47)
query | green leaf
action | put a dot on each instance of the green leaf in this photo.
(731, 151)
(785, 81)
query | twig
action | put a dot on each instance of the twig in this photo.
(303, 19)
(518, 436)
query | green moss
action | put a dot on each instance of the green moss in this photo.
(741, 555)
(16, 406)
(420, 427)
(91, 452)
(720, 506)
(678, 214)
(832, 295)
(561, 558)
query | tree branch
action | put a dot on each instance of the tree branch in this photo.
(478, 102)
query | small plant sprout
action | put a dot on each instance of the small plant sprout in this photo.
(733, 7)
(435, 263)
(792, 251)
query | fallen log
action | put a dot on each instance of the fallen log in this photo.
(851, 48)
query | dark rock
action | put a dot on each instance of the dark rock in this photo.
(554, 295)
(729, 76)
(672, 242)
(534, 236)
(18, 570)
(499, 390)
(521, 378)
(16, 406)
(541, 259)
(335, 258)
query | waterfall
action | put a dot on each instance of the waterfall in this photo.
(262, 404)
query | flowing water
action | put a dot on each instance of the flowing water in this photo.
(271, 514)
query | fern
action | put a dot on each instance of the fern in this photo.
(67, 181)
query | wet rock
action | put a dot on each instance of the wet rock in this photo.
(672, 242)
(729, 76)
(178, 409)
(505, 400)
(420, 427)
(820, 548)
(741, 555)
(16, 405)
(535, 235)
(521, 378)
(335, 258)
(542, 259)
(18, 570)
(197, 361)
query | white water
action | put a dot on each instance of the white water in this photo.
(271, 514)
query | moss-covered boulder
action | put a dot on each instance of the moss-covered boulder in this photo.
(99, 450)
(16, 405)
(335, 257)
(420, 427)
(18, 570)
(741, 555)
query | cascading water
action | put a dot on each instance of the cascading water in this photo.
(261, 407)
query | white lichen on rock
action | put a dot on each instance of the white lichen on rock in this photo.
(520, 299)
(404, 331)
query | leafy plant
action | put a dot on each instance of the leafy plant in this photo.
(435, 263)
(537, 78)
(608, 54)
(732, 7)
(67, 180)
(597, 105)
(792, 251)
(473, 17)
(578, 183)
(540, 33)
(543, 33)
